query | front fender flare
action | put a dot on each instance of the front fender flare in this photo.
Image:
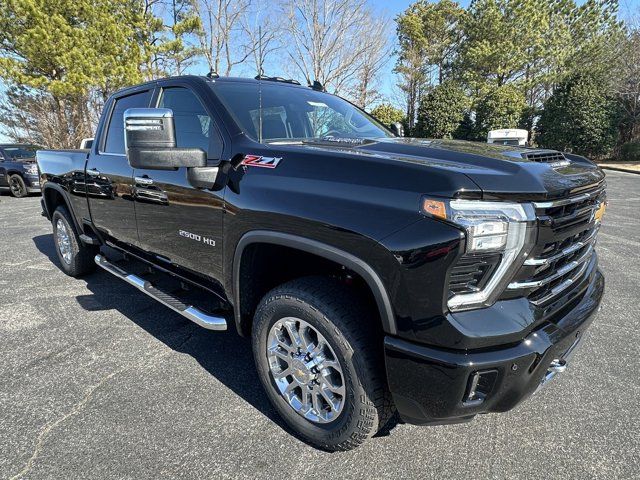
(322, 250)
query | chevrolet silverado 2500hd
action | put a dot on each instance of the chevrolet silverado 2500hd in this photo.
(374, 274)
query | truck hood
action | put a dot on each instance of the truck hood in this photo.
(499, 171)
(24, 160)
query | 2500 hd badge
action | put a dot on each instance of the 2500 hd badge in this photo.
(197, 238)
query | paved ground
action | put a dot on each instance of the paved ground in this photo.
(98, 381)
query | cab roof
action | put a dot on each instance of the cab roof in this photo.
(214, 80)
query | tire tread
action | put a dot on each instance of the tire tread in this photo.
(342, 308)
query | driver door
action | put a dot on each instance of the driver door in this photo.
(178, 223)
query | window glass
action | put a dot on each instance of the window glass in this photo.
(295, 113)
(20, 151)
(191, 121)
(274, 122)
(115, 133)
(326, 121)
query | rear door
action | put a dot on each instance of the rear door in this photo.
(178, 223)
(109, 177)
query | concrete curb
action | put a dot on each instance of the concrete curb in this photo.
(619, 169)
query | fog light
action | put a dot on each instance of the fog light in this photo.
(479, 387)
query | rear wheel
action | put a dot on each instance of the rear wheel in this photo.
(320, 363)
(76, 258)
(17, 186)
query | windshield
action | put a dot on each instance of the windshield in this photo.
(22, 151)
(290, 113)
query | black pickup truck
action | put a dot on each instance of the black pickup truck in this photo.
(373, 273)
(18, 169)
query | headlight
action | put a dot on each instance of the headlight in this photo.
(501, 231)
(31, 169)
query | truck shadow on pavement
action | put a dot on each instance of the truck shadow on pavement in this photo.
(212, 350)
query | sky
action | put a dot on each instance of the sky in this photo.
(391, 8)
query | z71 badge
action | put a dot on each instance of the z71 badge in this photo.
(258, 161)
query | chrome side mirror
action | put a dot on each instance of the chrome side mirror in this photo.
(149, 127)
(150, 141)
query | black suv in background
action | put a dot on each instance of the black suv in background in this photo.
(439, 278)
(18, 169)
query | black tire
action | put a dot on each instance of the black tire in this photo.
(17, 187)
(81, 259)
(335, 312)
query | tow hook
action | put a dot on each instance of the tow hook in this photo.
(557, 365)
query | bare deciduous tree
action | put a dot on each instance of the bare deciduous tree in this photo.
(32, 116)
(627, 86)
(220, 34)
(412, 76)
(330, 39)
(263, 32)
(376, 53)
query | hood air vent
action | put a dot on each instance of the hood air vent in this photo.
(544, 156)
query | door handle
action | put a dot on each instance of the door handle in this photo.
(144, 180)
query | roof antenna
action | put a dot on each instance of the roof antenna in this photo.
(260, 73)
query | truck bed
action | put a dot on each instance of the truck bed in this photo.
(59, 162)
(66, 170)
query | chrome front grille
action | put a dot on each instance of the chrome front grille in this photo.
(567, 249)
(567, 235)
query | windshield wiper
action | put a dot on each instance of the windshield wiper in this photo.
(330, 140)
(341, 140)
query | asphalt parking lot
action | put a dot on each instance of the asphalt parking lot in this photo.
(99, 381)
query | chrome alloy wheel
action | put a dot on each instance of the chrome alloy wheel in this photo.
(306, 370)
(63, 241)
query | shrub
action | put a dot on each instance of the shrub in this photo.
(630, 151)
(441, 111)
(501, 107)
(387, 114)
(580, 116)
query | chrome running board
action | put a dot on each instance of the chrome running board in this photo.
(188, 311)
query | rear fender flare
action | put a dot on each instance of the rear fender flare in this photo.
(67, 203)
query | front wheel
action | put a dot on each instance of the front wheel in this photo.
(320, 363)
(17, 186)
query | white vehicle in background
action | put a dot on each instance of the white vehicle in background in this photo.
(508, 136)
(86, 143)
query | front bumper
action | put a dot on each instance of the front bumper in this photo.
(32, 182)
(432, 385)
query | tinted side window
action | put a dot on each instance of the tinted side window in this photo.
(115, 133)
(192, 122)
